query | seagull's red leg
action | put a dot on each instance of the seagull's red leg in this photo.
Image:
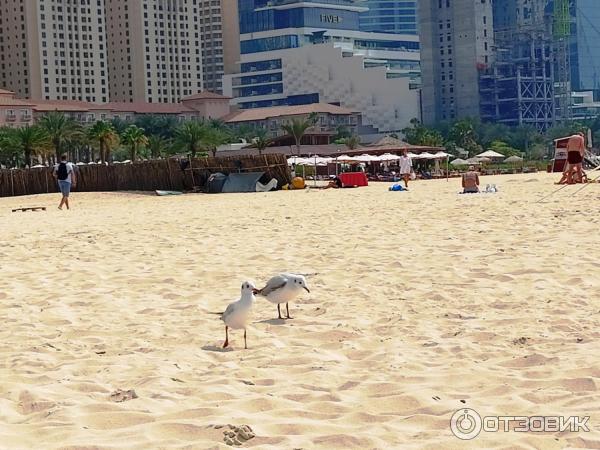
(245, 343)
(226, 337)
(287, 308)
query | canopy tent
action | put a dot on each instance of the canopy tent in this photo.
(513, 159)
(490, 154)
(459, 162)
(238, 182)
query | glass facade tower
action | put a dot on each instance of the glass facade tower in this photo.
(390, 16)
(585, 46)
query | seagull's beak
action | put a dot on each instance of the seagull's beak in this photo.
(255, 291)
(307, 290)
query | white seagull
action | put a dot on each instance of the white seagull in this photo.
(236, 314)
(283, 288)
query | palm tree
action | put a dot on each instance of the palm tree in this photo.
(261, 141)
(134, 137)
(463, 133)
(157, 145)
(215, 137)
(106, 136)
(29, 140)
(59, 129)
(298, 128)
(189, 137)
(8, 154)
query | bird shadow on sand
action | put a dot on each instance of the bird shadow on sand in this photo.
(273, 321)
(216, 348)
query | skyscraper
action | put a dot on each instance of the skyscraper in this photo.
(220, 34)
(456, 44)
(585, 46)
(54, 49)
(391, 16)
(155, 52)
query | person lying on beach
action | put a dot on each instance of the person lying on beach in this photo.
(470, 181)
(575, 177)
(336, 183)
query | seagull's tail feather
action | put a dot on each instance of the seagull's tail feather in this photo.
(216, 313)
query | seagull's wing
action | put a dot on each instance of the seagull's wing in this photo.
(277, 282)
(230, 310)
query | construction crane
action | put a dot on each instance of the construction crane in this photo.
(562, 33)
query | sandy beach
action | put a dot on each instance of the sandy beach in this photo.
(422, 303)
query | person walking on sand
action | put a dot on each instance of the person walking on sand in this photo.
(64, 172)
(470, 181)
(405, 167)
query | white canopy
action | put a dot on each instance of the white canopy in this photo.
(346, 158)
(389, 157)
(459, 162)
(367, 158)
(442, 155)
(490, 154)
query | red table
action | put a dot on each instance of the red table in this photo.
(354, 179)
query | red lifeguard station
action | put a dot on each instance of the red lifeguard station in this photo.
(560, 154)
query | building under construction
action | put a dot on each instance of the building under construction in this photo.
(519, 88)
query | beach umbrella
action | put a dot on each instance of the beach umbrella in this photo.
(426, 155)
(513, 159)
(389, 157)
(413, 155)
(490, 154)
(459, 162)
(366, 158)
(441, 155)
(474, 161)
(346, 158)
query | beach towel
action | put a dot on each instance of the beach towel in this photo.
(397, 187)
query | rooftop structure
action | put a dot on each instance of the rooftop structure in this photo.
(16, 112)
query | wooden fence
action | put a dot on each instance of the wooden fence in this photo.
(164, 174)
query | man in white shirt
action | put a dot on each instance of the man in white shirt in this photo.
(64, 172)
(405, 167)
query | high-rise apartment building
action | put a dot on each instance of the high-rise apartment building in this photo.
(220, 34)
(300, 52)
(155, 49)
(585, 46)
(457, 39)
(390, 16)
(54, 49)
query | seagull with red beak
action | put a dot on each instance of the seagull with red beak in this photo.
(283, 288)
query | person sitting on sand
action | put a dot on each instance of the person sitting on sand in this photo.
(470, 181)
